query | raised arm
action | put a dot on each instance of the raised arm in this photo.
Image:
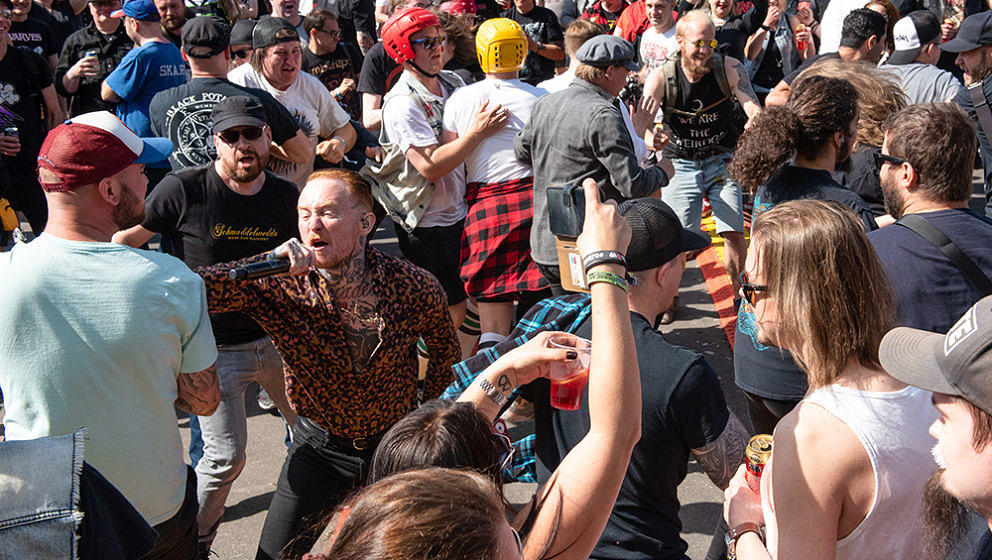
(578, 500)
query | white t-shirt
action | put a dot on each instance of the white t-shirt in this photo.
(94, 335)
(406, 125)
(657, 47)
(493, 159)
(561, 82)
(309, 101)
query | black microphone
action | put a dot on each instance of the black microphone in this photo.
(261, 269)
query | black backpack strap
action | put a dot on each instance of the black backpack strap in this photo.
(981, 105)
(935, 237)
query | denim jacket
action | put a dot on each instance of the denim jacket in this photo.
(39, 496)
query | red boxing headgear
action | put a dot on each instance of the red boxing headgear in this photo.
(458, 7)
(397, 30)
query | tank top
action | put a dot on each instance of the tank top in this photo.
(702, 120)
(892, 428)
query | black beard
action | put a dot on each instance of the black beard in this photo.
(892, 200)
(945, 518)
(247, 175)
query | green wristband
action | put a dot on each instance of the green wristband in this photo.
(608, 277)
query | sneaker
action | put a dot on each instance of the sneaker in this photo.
(264, 402)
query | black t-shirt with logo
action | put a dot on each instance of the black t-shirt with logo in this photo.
(208, 223)
(182, 114)
(702, 120)
(379, 72)
(332, 68)
(62, 20)
(541, 25)
(34, 35)
(23, 74)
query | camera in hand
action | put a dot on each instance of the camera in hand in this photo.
(632, 91)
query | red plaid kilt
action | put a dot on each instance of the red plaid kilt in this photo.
(495, 252)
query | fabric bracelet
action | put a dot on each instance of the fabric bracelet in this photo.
(603, 257)
(608, 277)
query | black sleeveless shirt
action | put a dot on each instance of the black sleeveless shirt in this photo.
(702, 122)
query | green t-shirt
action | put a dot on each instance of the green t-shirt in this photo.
(94, 334)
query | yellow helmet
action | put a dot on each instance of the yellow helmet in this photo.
(501, 45)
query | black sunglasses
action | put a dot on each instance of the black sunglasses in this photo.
(748, 289)
(881, 159)
(249, 133)
(243, 53)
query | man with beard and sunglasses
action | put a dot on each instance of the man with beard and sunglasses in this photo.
(925, 170)
(958, 369)
(222, 211)
(118, 337)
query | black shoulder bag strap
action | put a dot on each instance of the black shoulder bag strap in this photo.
(981, 107)
(935, 237)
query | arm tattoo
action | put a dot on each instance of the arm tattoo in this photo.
(199, 393)
(744, 83)
(504, 384)
(720, 459)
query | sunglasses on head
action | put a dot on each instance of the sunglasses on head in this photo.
(242, 53)
(748, 289)
(249, 133)
(881, 159)
(429, 43)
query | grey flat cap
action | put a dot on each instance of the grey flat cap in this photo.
(607, 50)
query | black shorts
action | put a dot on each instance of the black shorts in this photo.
(437, 250)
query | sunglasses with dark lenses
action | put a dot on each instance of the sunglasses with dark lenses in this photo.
(249, 133)
(243, 53)
(5, 14)
(881, 159)
(748, 289)
(429, 43)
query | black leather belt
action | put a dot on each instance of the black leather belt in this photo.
(322, 438)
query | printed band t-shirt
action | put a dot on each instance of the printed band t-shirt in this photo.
(35, 35)
(657, 47)
(182, 114)
(407, 125)
(332, 68)
(208, 223)
(318, 114)
(143, 72)
(106, 344)
(23, 74)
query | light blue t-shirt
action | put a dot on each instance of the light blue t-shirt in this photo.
(143, 72)
(95, 334)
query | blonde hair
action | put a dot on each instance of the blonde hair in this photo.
(831, 292)
(879, 94)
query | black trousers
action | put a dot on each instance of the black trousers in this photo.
(177, 535)
(318, 475)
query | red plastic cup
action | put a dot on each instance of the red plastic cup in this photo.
(568, 379)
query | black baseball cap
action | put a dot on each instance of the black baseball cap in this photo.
(657, 235)
(958, 363)
(272, 31)
(237, 110)
(205, 36)
(911, 34)
(975, 31)
(241, 32)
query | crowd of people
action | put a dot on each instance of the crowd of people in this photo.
(202, 181)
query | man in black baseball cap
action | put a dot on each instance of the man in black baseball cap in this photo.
(193, 208)
(273, 31)
(973, 44)
(957, 368)
(205, 36)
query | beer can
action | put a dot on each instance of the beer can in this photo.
(91, 52)
(10, 131)
(757, 453)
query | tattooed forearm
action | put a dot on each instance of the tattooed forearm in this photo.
(199, 393)
(744, 87)
(503, 382)
(720, 459)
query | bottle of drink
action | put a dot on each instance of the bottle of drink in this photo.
(800, 44)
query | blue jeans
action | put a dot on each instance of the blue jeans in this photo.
(225, 432)
(705, 178)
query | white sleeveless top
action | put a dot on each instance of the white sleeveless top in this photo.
(892, 427)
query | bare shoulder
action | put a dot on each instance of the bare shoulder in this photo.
(812, 441)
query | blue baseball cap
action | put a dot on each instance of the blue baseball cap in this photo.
(142, 10)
